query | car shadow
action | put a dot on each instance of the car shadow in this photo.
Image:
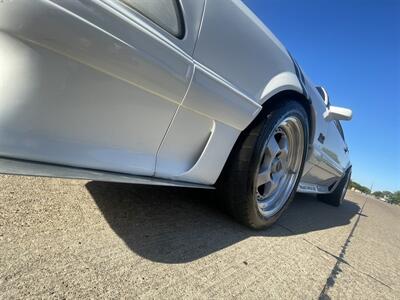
(178, 225)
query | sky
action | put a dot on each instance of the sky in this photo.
(352, 48)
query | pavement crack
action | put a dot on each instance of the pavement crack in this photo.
(373, 278)
(314, 245)
(331, 280)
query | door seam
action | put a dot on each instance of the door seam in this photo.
(172, 120)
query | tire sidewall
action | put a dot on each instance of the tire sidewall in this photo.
(275, 117)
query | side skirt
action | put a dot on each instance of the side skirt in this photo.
(309, 188)
(11, 166)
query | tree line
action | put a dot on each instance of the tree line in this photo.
(393, 198)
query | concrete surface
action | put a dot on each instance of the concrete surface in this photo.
(70, 238)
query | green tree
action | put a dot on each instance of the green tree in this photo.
(359, 187)
(378, 194)
(387, 194)
(395, 198)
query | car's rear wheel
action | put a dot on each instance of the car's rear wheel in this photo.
(336, 197)
(264, 168)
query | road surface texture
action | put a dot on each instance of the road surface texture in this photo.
(80, 239)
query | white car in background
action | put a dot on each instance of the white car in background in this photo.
(167, 92)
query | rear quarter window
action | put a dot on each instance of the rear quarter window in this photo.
(167, 14)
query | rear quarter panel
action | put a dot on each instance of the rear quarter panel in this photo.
(235, 44)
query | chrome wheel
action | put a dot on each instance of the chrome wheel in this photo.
(280, 166)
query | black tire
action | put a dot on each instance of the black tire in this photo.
(236, 186)
(336, 197)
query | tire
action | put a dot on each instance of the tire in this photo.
(255, 159)
(336, 197)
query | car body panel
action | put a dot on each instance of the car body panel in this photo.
(30, 168)
(327, 161)
(237, 50)
(74, 70)
(72, 117)
(219, 100)
(94, 85)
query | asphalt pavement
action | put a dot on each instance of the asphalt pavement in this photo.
(81, 239)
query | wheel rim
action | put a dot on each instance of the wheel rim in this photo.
(279, 166)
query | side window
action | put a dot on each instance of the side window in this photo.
(339, 127)
(324, 95)
(165, 13)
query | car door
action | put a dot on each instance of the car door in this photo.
(335, 151)
(315, 177)
(221, 100)
(93, 84)
(329, 158)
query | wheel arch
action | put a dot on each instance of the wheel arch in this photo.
(285, 95)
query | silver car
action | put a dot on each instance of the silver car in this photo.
(166, 92)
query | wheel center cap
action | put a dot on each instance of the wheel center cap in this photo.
(276, 165)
